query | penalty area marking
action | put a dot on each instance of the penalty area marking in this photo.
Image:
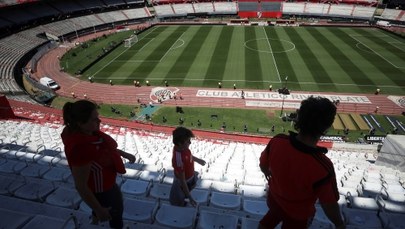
(92, 76)
(396, 46)
(373, 51)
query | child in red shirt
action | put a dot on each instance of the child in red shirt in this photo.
(298, 171)
(183, 164)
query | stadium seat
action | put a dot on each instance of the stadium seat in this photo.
(200, 196)
(146, 175)
(57, 174)
(364, 203)
(46, 222)
(392, 220)
(12, 151)
(248, 223)
(139, 210)
(393, 196)
(348, 191)
(64, 197)
(132, 174)
(13, 219)
(223, 187)
(214, 176)
(9, 184)
(256, 179)
(34, 170)
(370, 189)
(204, 184)
(214, 220)
(168, 176)
(254, 208)
(12, 166)
(225, 200)
(391, 206)
(176, 217)
(160, 191)
(36, 190)
(254, 192)
(136, 187)
(359, 218)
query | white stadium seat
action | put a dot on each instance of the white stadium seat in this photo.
(209, 220)
(176, 217)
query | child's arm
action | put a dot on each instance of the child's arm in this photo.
(199, 161)
(128, 156)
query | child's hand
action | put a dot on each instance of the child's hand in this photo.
(131, 158)
(201, 162)
(192, 201)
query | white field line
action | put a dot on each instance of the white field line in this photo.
(262, 81)
(120, 54)
(375, 52)
(395, 45)
(271, 50)
(171, 47)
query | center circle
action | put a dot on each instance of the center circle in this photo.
(255, 43)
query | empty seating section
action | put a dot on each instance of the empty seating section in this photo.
(14, 47)
(341, 10)
(164, 11)
(392, 14)
(86, 21)
(225, 7)
(363, 12)
(137, 13)
(231, 190)
(294, 8)
(204, 7)
(316, 9)
(183, 9)
(113, 16)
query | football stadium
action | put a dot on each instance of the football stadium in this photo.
(233, 72)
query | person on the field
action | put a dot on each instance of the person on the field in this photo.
(298, 171)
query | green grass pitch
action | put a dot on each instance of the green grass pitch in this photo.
(338, 59)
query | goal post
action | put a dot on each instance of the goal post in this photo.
(130, 41)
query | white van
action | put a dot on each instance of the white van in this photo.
(48, 82)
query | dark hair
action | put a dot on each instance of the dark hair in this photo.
(315, 116)
(77, 113)
(181, 134)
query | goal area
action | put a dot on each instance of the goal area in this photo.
(130, 41)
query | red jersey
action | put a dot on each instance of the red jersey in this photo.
(182, 161)
(99, 150)
(300, 175)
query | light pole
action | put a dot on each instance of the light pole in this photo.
(284, 92)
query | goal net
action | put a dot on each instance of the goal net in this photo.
(130, 41)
